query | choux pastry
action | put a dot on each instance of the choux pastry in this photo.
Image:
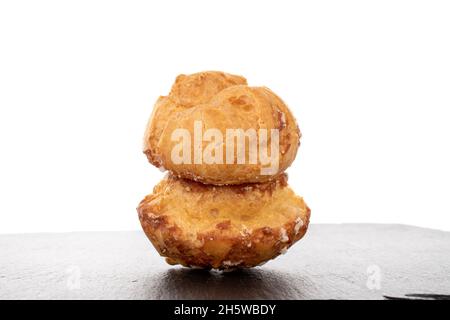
(225, 203)
(243, 134)
(206, 226)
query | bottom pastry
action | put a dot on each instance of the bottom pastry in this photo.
(226, 227)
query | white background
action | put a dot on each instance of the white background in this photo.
(369, 83)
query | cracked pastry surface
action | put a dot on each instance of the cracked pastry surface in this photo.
(225, 227)
(221, 101)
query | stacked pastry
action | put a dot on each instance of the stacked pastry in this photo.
(225, 202)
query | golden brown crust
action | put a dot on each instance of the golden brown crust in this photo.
(221, 101)
(224, 227)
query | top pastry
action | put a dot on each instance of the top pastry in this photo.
(214, 128)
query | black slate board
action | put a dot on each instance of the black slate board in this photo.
(353, 261)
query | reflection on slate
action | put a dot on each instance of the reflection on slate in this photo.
(332, 262)
(419, 296)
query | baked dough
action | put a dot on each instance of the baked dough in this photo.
(220, 101)
(226, 227)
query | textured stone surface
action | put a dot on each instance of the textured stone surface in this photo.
(332, 262)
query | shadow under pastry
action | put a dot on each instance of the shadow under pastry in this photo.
(257, 283)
